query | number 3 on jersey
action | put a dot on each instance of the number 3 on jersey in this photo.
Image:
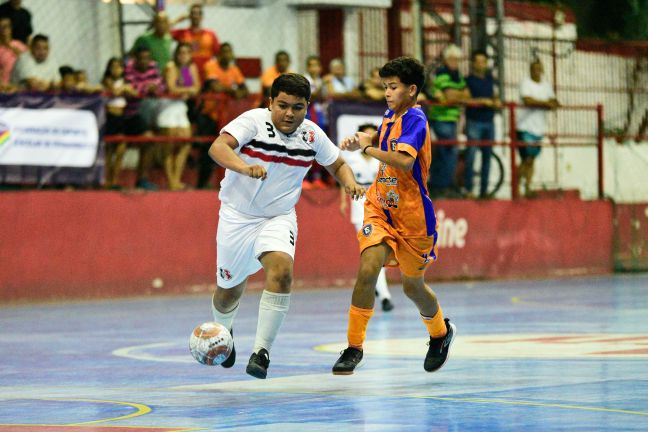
(270, 129)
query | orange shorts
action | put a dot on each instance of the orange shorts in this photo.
(411, 254)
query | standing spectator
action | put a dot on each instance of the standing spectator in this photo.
(537, 97)
(182, 80)
(315, 113)
(449, 92)
(35, 70)
(20, 19)
(372, 88)
(337, 83)
(10, 49)
(116, 122)
(224, 77)
(203, 42)
(281, 66)
(479, 120)
(157, 40)
(143, 75)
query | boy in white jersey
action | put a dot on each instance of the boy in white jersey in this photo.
(365, 169)
(267, 153)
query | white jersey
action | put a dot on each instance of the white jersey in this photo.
(286, 158)
(534, 120)
(365, 171)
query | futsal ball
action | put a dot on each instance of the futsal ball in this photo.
(210, 343)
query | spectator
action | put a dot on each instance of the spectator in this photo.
(83, 85)
(35, 70)
(479, 121)
(281, 66)
(158, 40)
(337, 83)
(20, 19)
(316, 113)
(10, 49)
(372, 88)
(116, 123)
(68, 80)
(537, 97)
(449, 92)
(182, 79)
(143, 75)
(223, 76)
(204, 42)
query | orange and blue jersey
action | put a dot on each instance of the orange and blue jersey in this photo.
(401, 196)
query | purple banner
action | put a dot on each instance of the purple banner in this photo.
(53, 176)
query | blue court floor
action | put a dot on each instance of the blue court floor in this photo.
(552, 355)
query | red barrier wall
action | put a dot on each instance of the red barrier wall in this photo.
(89, 244)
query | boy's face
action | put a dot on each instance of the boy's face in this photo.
(314, 68)
(399, 96)
(287, 112)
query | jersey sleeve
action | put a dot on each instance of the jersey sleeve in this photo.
(325, 151)
(243, 128)
(413, 136)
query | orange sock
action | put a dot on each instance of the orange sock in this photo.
(435, 325)
(358, 320)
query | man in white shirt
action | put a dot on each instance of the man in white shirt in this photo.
(537, 97)
(266, 154)
(35, 70)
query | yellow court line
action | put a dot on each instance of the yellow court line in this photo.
(141, 409)
(109, 427)
(537, 404)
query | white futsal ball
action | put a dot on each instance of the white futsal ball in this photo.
(210, 343)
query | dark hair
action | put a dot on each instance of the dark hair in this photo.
(409, 70)
(109, 66)
(178, 48)
(280, 53)
(226, 44)
(292, 84)
(39, 38)
(364, 126)
(139, 49)
(313, 57)
(476, 53)
(66, 70)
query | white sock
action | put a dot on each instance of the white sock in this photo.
(381, 286)
(227, 318)
(272, 311)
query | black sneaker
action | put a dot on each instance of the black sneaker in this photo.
(348, 361)
(387, 305)
(437, 354)
(258, 364)
(232, 357)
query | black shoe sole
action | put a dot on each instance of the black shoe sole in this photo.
(256, 371)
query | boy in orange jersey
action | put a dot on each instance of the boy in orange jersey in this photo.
(399, 222)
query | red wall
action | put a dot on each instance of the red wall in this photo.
(88, 244)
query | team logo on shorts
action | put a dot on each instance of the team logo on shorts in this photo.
(308, 136)
(225, 274)
(367, 229)
(392, 144)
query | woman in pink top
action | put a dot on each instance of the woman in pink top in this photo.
(10, 49)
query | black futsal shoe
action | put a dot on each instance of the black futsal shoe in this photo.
(258, 364)
(348, 361)
(387, 305)
(439, 348)
(232, 357)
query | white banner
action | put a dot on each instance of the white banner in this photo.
(48, 137)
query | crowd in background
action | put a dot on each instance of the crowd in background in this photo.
(176, 81)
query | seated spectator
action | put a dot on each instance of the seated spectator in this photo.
(337, 83)
(182, 81)
(372, 88)
(204, 42)
(68, 80)
(20, 19)
(116, 124)
(83, 85)
(143, 75)
(537, 97)
(158, 40)
(35, 70)
(10, 49)
(281, 66)
(222, 76)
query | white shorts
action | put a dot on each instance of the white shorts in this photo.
(241, 239)
(173, 114)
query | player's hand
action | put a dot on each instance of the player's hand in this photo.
(255, 171)
(350, 143)
(355, 191)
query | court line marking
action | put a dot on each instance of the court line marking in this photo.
(108, 427)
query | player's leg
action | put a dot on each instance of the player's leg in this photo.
(382, 288)
(225, 305)
(372, 260)
(440, 329)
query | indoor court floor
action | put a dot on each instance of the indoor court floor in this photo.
(551, 355)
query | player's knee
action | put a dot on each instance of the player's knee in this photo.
(413, 288)
(281, 279)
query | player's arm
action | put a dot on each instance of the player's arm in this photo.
(368, 145)
(343, 174)
(222, 152)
